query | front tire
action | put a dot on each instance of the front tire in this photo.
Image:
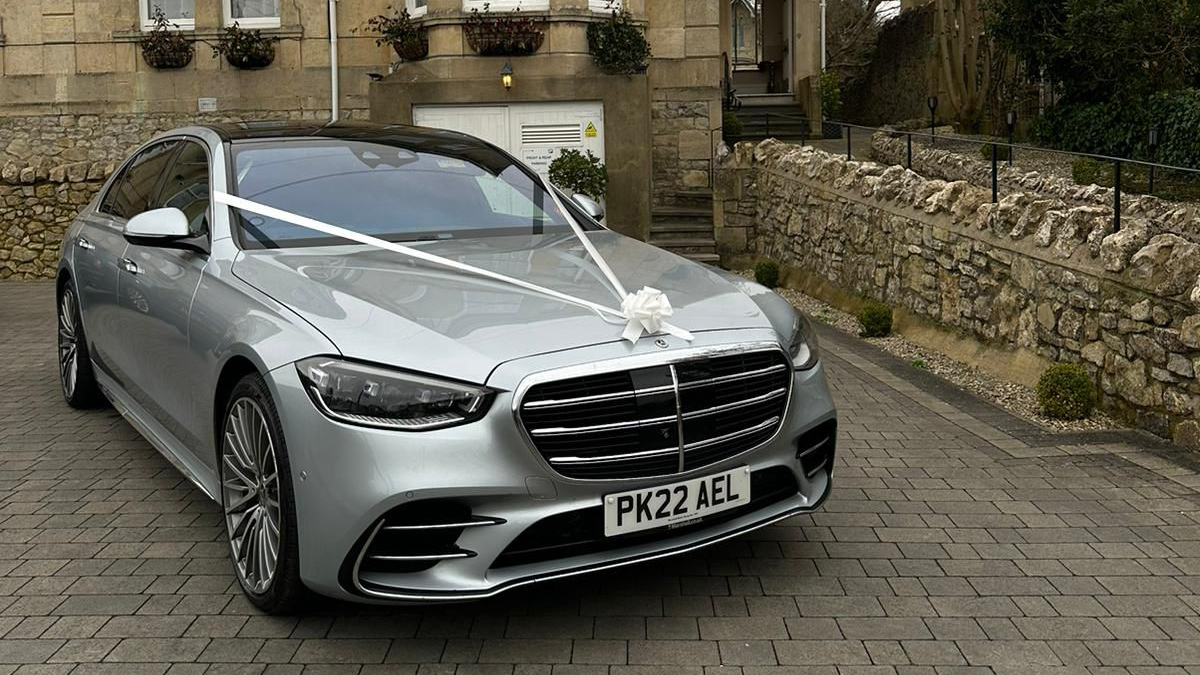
(75, 373)
(257, 499)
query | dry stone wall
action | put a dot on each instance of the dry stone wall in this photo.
(52, 165)
(1162, 216)
(1030, 273)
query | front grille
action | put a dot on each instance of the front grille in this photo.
(581, 532)
(658, 420)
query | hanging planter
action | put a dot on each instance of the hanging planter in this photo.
(245, 49)
(618, 46)
(506, 35)
(408, 38)
(163, 48)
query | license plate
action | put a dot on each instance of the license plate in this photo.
(645, 509)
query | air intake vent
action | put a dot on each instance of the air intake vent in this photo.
(551, 134)
(658, 420)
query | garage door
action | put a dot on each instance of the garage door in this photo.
(535, 132)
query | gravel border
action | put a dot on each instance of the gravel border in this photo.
(1014, 398)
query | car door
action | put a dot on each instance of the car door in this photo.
(157, 285)
(98, 248)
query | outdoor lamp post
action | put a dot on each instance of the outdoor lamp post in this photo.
(506, 76)
(1154, 132)
(1011, 119)
(933, 104)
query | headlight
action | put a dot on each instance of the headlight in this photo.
(357, 393)
(803, 348)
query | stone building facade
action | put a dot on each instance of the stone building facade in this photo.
(76, 94)
(1021, 283)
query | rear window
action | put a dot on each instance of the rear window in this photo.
(385, 191)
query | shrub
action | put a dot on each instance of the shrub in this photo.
(245, 48)
(162, 47)
(766, 273)
(1122, 128)
(618, 46)
(1002, 152)
(579, 173)
(731, 126)
(406, 36)
(876, 320)
(830, 89)
(1088, 171)
(1066, 392)
(512, 33)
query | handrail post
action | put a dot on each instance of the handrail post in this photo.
(768, 116)
(1151, 188)
(1116, 196)
(995, 176)
(909, 137)
(849, 130)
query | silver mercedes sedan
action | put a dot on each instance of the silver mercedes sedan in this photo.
(381, 428)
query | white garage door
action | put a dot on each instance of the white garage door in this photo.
(534, 132)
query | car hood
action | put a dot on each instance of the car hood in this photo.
(383, 307)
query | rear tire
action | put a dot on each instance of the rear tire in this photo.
(75, 373)
(257, 499)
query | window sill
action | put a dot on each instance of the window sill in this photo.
(283, 33)
(557, 15)
(255, 24)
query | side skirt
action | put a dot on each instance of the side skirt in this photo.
(162, 440)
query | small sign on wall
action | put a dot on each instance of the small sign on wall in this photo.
(207, 104)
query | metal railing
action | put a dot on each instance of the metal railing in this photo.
(998, 148)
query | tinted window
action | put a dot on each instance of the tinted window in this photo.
(388, 191)
(186, 186)
(132, 194)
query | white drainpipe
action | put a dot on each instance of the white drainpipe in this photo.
(822, 36)
(334, 112)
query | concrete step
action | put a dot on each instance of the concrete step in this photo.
(708, 258)
(673, 228)
(673, 242)
(680, 212)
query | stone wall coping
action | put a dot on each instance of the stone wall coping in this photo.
(294, 32)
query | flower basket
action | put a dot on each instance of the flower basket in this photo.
(413, 50)
(252, 59)
(168, 60)
(164, 48)
(245, 49)
(487, 40)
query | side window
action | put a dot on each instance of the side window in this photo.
(132, 195)
(106, 204)
(186, 186)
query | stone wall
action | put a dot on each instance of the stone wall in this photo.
(1033, 275)
(683, 139)
(51, 165)
(1162, 216)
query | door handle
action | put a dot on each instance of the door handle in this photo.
(84, 244)
(130, 266)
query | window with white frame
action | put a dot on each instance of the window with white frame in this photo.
(507, 5)
(416, 7)
(252, 13)
(604, 5)
(180, 13)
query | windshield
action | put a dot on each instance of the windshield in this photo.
(389, 192)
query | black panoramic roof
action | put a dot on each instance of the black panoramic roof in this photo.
(267, 130)
(415, 139)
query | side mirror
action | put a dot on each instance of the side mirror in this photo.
(164, 227)
(589, 206)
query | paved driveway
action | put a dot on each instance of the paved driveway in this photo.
(958, 540)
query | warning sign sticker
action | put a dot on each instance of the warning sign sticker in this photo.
(590, 130)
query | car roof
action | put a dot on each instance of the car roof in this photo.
(416, 139)
(280, 130)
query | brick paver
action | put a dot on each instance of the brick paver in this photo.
(959, 540)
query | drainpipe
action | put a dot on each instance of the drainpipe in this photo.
(822, 36)
(334, 112)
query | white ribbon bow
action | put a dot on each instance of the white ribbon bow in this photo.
(645, 311)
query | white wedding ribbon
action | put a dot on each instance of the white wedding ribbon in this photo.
(643, 311)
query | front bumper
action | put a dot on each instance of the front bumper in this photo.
(347, 478)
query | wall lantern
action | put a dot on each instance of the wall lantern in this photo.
(506, 75)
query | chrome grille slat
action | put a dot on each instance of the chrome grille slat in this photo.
(658, 419)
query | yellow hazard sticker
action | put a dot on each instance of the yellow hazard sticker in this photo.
(590, 130)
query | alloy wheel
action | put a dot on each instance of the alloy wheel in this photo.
(68, 342)
(251, 496)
